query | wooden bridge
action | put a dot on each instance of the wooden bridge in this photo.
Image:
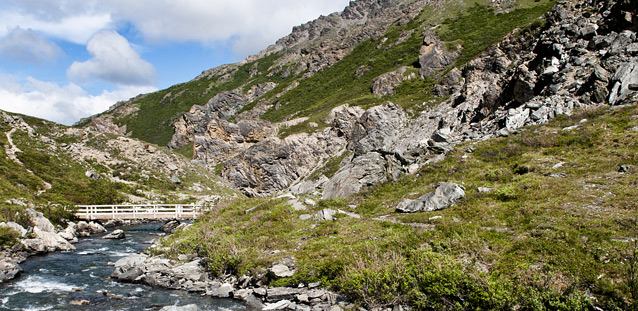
(138, 211)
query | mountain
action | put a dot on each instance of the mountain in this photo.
(384, 86)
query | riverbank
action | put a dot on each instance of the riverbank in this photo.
(80, 280)
(42, 237)
(189, 273)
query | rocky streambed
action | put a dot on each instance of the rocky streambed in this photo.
(188, 273)
(79, 279)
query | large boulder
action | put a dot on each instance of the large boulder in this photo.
(191, 307)
(363, 171)
(445, 195)
(40, 221)
(626, 75)
(115, 235)
(53, 241)
(129, 268)
(8, 270)
(170, 226)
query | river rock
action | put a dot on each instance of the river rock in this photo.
(170, 226)
(8, 270)
(191, 307)
(279, 305)
(52, 241)
(282, 293)
(445, 195)
(34, 246)
(40, 221)
(115, 235)
(95, 228)
(223, 291)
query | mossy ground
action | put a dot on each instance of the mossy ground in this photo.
(540, 241)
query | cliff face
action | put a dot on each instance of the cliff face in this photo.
(584, 54)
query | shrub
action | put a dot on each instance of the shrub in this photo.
(379, 279)
(8, 237)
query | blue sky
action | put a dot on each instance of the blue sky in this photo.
(67, 59)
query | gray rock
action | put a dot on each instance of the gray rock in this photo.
(349, 214)
(35, 246)
(9, 270)
(281, 271)
(170, 226)
(95, 228)
(124, 266)
(626, 74)
(191, 307)
(224, 291)
(433, 56)
(176, 180)
(92, 174)
(363, 171)
(40, 221)
(385, 83)
(115, 235)
(305, 216)
(324, 214)
(310, 202)
(282, 293)
(279, 305)
(485, 190)
(52, 241)
(253, 302)
(445, 195)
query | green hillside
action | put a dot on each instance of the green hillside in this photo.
(50, 178)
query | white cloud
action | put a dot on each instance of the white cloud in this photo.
(27, 46)
(62, 104)
(114, 60)
(253, 24)
(75, 28)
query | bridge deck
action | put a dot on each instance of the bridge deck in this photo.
(143, 211)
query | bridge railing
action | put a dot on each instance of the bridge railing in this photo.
(138, 211)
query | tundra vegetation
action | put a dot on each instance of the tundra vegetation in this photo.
(548, 237)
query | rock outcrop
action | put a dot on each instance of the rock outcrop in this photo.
(444, 195)
(192, 276)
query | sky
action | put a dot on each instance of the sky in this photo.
(68, 59)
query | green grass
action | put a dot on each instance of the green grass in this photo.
(537, 242)
(479, 27)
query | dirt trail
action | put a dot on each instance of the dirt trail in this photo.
(11, 153)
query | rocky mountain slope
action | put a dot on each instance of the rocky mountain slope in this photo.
(386, 87)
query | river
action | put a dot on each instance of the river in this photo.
(52, 281)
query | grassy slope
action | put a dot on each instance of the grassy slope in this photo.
(537, 242)
(69, 185)
(338, 84)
